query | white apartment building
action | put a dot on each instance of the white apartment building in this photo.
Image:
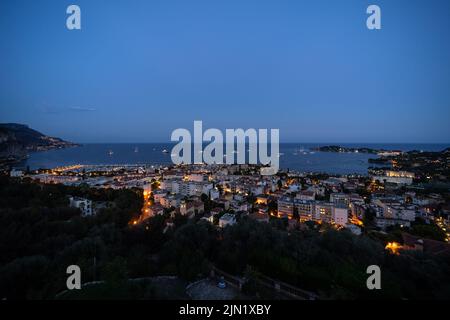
(16, 173)
(170, 201)
(214, 194)
(227, 220)
(198, 177)
(389, 213)
(340, 215)
(306, 195)
(85, 205)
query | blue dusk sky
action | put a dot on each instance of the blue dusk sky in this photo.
(139, 69)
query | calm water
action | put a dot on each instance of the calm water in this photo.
(293, 156)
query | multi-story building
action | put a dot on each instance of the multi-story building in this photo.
(357, 209)
(317, 189)
(340, 215)
(346, 198)
(323, 212)
(198, 177)
(191, 208)
(305, 209)
(16, 173)
(285, 207)
(194, 188)
(227, 220)
(85, 205)
(170, 201)
(306, 195)
(214, 194)
(390, 213)
(171, 185)
(397, 177)
(339, 198)
(157, 195)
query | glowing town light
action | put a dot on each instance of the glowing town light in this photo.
(393, 247)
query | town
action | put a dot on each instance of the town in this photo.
(223, 195)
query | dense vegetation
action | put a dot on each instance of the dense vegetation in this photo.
(40, 236)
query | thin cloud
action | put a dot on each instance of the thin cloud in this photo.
(82, 109)
(49, 110)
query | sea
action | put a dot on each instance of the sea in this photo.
(293, 156)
